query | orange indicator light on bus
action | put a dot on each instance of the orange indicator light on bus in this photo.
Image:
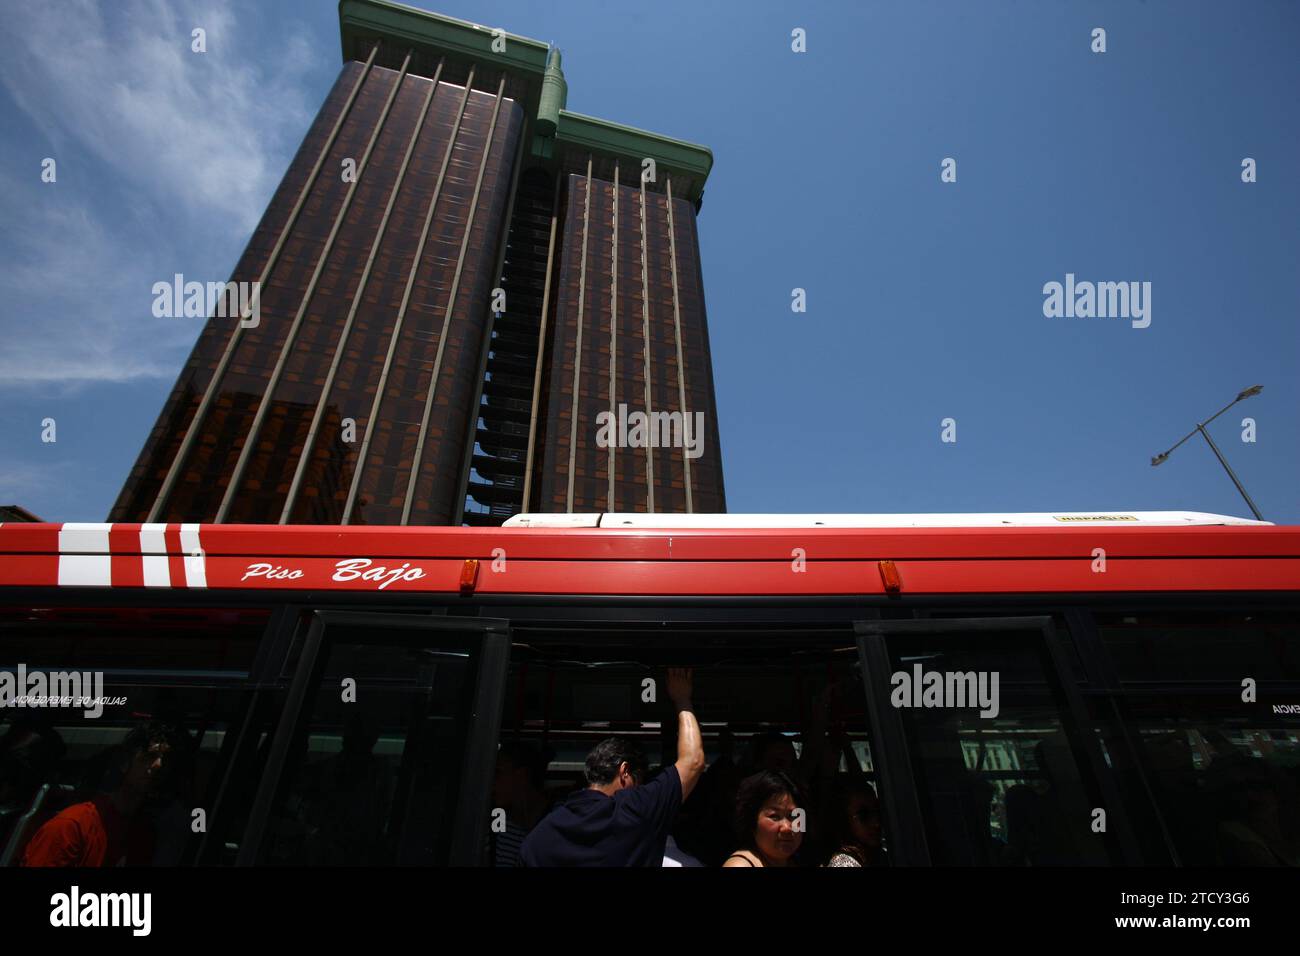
(889, 576)
(468, 576)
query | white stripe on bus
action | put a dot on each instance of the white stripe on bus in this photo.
(153, 547)
(196, 575)
(91, 564)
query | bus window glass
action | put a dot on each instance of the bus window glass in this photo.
(996, 771)
(375, 777)
(795, 705)
(1223, 764)
(1202, 645)
(132, 779)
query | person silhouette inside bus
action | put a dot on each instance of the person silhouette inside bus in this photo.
(767, 820)
(772, 750)
(1253, 828)
(345, 798)
(519, 788)
(1047, 819)
(112, 829)
(856, 825)
(30, 750)
(615, 821)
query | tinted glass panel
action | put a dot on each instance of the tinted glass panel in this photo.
(124, 781)
(1225, 782)
(375, 776)
(1204, 644)
(996, 771)
(1222, 757)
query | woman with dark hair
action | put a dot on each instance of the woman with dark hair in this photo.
(769, 820)
(857, 825)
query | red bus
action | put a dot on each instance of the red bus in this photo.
(349, 694)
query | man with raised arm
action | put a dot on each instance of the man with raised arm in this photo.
(616, 821)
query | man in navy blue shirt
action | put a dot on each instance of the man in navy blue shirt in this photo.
(616, 821)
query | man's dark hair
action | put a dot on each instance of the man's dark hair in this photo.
(605, 757)
(755, 791)
(147, 733)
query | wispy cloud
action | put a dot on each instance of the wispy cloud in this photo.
(166, 156)
(78, 301)
(208, 130)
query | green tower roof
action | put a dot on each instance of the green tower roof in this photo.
(534, 80)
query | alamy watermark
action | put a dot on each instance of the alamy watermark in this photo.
(130, 910)
(23, 688)
(949, 689)
(198, 300)
(1101, 300)
(651, 430)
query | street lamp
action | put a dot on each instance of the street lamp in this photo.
(1245, 393)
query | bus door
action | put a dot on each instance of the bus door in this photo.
(384, 750)
(986, 757)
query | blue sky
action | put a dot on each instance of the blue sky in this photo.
(924, 298)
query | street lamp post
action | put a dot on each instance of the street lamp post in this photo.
(1247, 393)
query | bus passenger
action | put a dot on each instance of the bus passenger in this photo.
(614, 821)
(773, 750)
(1253, 827)
(29, 753)
(345, 798)
(111, 829)
(767, 820)
(519, 788)
(857, 825)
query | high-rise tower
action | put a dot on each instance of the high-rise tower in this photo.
(473, 302)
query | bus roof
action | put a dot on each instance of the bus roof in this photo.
(752, 555)
(975, 520)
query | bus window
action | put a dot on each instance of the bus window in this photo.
(339, 805)
(793, 703)
(994, 747)
(383, 753)
(1223, 765)
(1202, 645)
(1066, 640)
(137, 773)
